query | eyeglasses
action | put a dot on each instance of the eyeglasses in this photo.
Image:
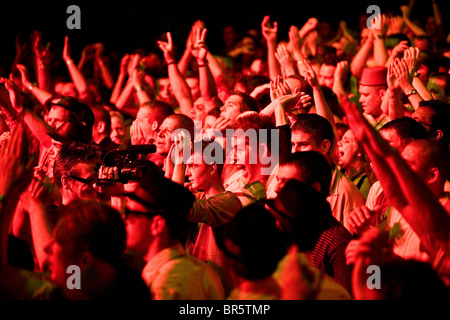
(424, 123)
(149, 213)
(89, 182)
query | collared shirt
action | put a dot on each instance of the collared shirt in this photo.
(174, 275)
(248, 193)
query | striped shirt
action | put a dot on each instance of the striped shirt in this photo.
(329, 253)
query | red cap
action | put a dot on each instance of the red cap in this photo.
(374, 76)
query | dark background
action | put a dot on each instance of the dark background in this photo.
(127, 25)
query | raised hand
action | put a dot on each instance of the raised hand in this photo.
(279, 88)
(341, 72)
(14, 93)
(167, 48)
(16, 163)
(411, 57)
(67, 50)
(199, 49)
(402, 74)
(40, 51)
(310, 25)
(285, 59)
(180, 149)
(269, 31)
(309, 74)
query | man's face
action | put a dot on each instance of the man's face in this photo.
(232, 108)
(59, 257)
(326, 75)
(348, 149)
(244, 154)
(164, 139)
(138, 227)
(52, 154)
(370, 100)
(119, 131)
(393, 139)
(67, 89)
(412, 154)
(57, 116)
(285, 173)
(423, 116)
(302, 141)
(165, 91)
(198, 172)
(143, 123)
(198, 112)
(80, 183)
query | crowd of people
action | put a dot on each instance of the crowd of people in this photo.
(281, 167)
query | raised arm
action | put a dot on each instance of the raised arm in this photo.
(379, 32)
(320, 102)
(284, 57)
(41, 62)
(75, 73)
(33, 200)
(123, 73)
(269, 33)
(403, 188)
(359, 61)
(418, 31)
(35, 123)
(17, 170)
(180, 88)
(102, 66)
(199, 51)
(393, 94)
(411, 57)
(39, 93)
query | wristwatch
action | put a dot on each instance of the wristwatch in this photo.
(411, 92)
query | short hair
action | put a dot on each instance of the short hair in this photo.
(184, 122)
(333, 101)
(257, 122)
(440, 120)
(92, 226)
(101, 114)
(317, 126)
(313, 167)
(216, 150)
(435, 154)
(302, 213)
(260, 244)
(248, 102)
(406, 128)
(160, 110)
(72, 154)
(215, 112)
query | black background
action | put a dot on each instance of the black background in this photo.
(127, 25)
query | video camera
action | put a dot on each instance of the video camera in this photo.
(130, 167)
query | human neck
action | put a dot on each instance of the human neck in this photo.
(157, 246)
(252, 173)
(354, 169)
(215, 188)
